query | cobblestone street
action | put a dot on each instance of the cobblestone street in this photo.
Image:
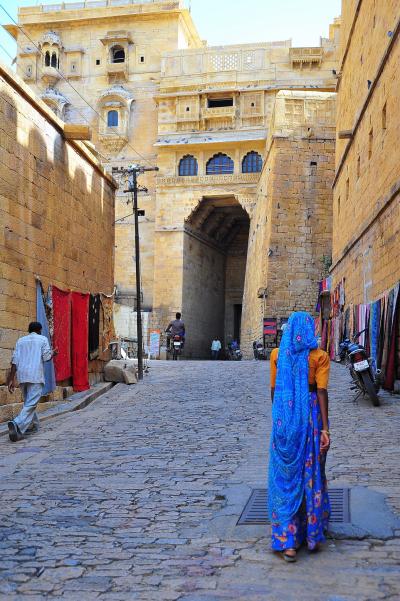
(137, 496)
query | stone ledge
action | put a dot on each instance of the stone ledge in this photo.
(76, 401)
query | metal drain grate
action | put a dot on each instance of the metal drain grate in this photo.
(256, 509)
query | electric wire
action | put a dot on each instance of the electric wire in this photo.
(84, 118)
(75, 90)
(6, 52)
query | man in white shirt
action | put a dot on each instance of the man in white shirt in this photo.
(215, 348)
(30, 353)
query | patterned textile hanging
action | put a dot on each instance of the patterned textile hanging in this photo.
(62, 332)
(107, 304)
(94, 326)
(41, 317)
(80, 327)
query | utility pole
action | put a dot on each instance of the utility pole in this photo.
(131, 173)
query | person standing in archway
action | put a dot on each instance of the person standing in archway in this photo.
(298, 498)
(215, 348)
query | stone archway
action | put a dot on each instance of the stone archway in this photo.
(213, 272)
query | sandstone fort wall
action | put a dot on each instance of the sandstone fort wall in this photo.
(57, 213)
(366, 211)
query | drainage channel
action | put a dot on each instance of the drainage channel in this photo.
(256, 508)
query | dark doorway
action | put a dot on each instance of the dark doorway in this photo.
(237, 321)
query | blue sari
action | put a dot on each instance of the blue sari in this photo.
(298, 499)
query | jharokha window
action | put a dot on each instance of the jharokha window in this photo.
(188, 165)
(219, 164)
(51, 60)
(252, 162)
(117, 54)
(112, 119)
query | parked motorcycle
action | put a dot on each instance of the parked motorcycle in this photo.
(259, 351)
(234, 352)
(362, 370)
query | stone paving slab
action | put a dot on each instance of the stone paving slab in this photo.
(75, 402)
(137, 496)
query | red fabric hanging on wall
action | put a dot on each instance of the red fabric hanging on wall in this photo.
(80, 327)
(62, 333)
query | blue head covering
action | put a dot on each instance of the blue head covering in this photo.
(290, 418)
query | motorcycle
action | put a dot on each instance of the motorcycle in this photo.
(176, 346)
(362, 370)
(234, 353)
(259, 351)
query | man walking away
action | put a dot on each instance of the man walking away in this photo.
(215, 348)
(30, 353)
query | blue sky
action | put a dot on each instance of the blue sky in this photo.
(233, 21)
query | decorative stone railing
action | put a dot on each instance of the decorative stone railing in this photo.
(217, 112)
(93, 4)
(306, 55)
(206, 180)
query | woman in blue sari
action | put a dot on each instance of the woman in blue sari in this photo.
(298, 499)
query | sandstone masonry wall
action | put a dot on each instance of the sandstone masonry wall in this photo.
(291, 227)
(57, 213)
(366, 209)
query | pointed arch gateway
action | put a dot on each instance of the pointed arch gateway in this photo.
(214, 266)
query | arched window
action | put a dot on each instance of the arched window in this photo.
(112, 118)
(188, 165)
(47, 59)
(218, 164)
(54, 60)
(117, 54)
(252, 162)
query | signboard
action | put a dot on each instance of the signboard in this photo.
(154, 349)
(269, 326)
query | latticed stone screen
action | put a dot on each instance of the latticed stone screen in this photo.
(224, 62)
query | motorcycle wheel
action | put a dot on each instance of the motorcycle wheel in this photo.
(370, 388)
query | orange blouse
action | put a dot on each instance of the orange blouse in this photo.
(319, 366)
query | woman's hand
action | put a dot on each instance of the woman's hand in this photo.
(325, 441)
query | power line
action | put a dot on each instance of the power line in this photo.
(8, 54)
(70, 84)
(40, 70)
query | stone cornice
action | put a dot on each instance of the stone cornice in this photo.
(211, 137)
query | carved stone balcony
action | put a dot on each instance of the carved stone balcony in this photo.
(50, 75)
(113, 142)
(306, 56)
(117, 71)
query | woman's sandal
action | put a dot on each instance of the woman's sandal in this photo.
(289, 555)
